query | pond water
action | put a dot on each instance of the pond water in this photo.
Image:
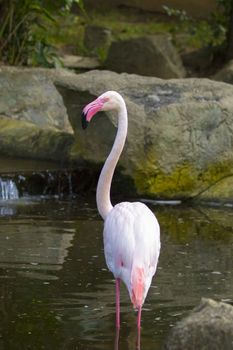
(55, 290)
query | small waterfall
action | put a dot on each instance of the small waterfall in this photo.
(8, 190)
(69, 176)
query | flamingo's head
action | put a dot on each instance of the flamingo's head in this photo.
(109, 100)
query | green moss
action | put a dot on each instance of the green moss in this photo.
(24, 139)
(217, 181)
(182, 181)
(127, 27)
(77, 152)
(216, 171)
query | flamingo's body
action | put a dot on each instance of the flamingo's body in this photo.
(131, 231)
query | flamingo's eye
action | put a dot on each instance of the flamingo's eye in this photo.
(104, 99)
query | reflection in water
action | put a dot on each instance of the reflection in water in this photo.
(133, 342)
(7, 211)
(56, 293)
(116, 345)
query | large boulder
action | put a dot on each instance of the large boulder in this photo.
(151, 55)
(209, 326)
(225, 73)
(26, 140)
(97, 39)
(30, 96)
(180, 132)
(33, 118)
(197, 62)
(179, 139)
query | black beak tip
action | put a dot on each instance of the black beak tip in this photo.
(84, 121)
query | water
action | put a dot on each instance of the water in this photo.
(8, 190)
(55, 290)
(26, 177)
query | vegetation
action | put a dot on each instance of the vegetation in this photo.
(30, 30)
(217, 31)
(19, 39)
(186, 32)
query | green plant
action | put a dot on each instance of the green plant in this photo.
(18, 21)
(17, 18)
(102, 53)
(44, 55)
(181, 14)
(226, 21)
(211, 31)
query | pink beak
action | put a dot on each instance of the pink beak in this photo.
(90, 110)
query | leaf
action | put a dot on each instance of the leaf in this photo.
(43, 11)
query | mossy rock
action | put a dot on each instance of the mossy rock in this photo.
(213, 183)
(26, 140)
(179, 142)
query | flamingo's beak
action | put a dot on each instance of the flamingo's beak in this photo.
(84, 121)
(90, 110)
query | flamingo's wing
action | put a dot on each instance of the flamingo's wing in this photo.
(131, 236)
(119, 242)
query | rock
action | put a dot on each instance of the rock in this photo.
(97, 38)
(180, 133)
(209, 326)
(152, 55)
(198, 61)
(30, 96)
(80, 62)
(33, 118)
(225, 74)
(26, 140)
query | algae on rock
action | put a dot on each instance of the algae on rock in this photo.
(23, 139)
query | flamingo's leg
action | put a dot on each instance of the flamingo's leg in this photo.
(138, 343)
(118, 282)
(139, 317)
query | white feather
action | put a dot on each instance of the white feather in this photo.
(131, 236)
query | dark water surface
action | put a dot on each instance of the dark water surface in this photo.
(55, 290)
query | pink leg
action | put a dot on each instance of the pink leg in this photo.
(118, 282)
(138, 344)
(139, 317)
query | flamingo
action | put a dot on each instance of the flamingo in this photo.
(131, 230)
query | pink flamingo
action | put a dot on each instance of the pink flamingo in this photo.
(131, 231)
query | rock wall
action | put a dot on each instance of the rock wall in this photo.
(180, 133)
(150, 55)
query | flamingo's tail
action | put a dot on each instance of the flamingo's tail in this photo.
(138, 283)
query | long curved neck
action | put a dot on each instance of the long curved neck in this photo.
(104, 204)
